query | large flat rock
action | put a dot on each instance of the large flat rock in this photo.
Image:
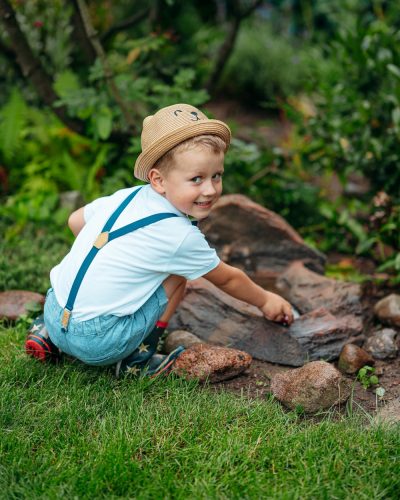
(308, 291)
(217, 318)
(255, 239)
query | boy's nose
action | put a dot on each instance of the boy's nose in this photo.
(209, 189)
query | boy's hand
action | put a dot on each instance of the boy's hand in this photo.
(277, 309)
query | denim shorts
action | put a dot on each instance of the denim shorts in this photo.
(106, 339)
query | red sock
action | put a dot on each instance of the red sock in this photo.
(162, 324)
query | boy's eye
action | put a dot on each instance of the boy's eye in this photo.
(196, 179)
(217, 176)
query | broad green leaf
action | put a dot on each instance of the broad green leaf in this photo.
(396, 116)
(103, 121)
(33, 306)
(66, 83)
(362, 372)
(395, 70)
(374, 379)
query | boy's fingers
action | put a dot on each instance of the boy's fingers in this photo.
(287, 315)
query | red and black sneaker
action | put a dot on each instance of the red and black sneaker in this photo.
(39, 345)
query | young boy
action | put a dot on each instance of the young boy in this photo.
(115, 291)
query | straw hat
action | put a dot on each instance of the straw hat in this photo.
(171, 126)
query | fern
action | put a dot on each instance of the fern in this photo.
(13, 119)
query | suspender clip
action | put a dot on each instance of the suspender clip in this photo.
(101, 240)
(65, 319)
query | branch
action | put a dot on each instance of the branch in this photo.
(9, 54)
(93, 38)
(79, 34)
(227, 47)
(32, 68)
(123, 25)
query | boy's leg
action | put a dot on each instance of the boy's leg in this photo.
(174, 287)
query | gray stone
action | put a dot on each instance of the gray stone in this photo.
(352, 358)
(382, 344)
(388, 310)
(211, 363)
(260, 242)
(316, 386)
(16, 303)
(179, 337)
(71, 200)
(220, 319)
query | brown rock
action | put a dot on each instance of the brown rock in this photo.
(211, 363)
(15, 303)
(352, 358)
(308, 291)
(388, 310)
(180, 337)
(315, 386)
(260, 242)
(220, 319)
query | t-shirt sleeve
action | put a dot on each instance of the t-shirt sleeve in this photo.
(95, 206)
(194, 257)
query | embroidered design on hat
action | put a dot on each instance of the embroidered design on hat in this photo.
(195, 117)
(177, 111)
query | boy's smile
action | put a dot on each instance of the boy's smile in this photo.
(193, 183)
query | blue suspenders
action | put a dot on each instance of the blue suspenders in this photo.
(104, 237)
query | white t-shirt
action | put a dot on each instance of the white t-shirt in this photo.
(128, 270)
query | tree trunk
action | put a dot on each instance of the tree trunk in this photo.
(227, 47)
(31, 66)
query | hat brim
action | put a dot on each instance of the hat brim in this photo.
(148, 158)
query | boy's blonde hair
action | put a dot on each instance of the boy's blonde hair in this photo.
(210, 142)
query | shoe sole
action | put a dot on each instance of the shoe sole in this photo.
(38, 348)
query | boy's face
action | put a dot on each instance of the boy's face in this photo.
(193, 183)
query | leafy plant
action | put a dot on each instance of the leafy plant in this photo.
(12, 122)
(262, 175)
(366, 376)
(354, 128)
(263, 66)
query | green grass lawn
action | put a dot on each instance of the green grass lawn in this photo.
(77, 432)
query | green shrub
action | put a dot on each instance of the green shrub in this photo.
(265, 178)
(356, 128)
(264, 66)
(357, 125)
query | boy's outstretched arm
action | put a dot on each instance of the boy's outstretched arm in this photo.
(237, 284)
(76, 221)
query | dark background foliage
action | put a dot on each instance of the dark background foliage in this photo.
(77, 78)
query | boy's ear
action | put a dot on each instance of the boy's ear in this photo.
(156, 180)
